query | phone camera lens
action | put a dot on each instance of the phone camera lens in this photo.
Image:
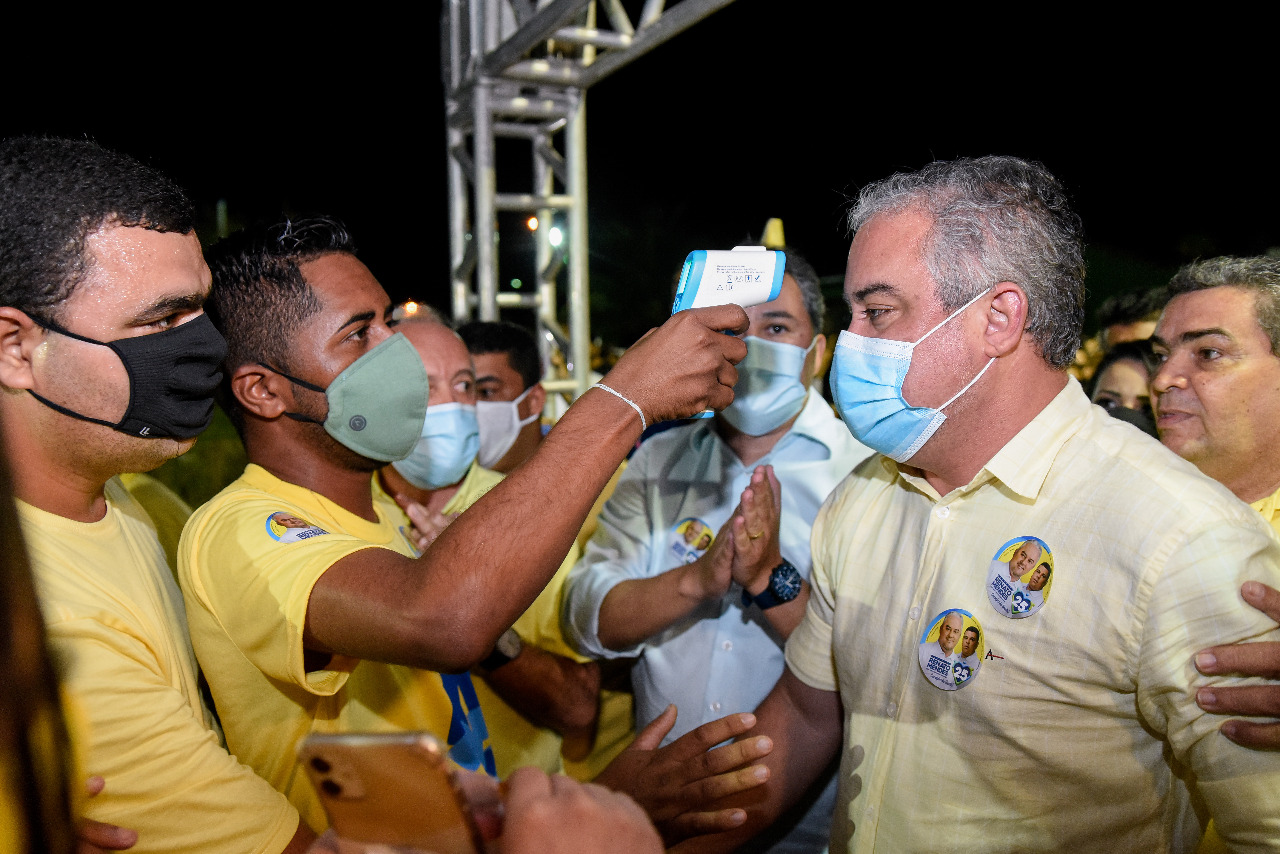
(320, 765)
(331, 788)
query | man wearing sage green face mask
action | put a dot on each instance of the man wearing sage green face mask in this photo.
(347, 627)
(707, 615)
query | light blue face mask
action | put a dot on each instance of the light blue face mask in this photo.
(769, 392)
(448, 446)
(866, 382)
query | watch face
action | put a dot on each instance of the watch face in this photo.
(784, 582)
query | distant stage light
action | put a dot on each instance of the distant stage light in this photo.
(532, 223)
(557, 236)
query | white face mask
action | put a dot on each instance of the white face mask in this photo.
(769, 392)
(500, 425)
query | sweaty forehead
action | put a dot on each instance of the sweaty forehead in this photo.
(1220, 310)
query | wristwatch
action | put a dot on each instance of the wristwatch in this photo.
(505, 651)
(784, 585)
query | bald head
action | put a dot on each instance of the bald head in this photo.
(449, 370)
(949, 632)
(1024, 559)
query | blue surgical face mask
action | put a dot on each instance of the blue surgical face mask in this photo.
(448, 446)
(769, 391)
(866, 382)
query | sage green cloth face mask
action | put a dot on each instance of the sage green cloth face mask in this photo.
(378, 404)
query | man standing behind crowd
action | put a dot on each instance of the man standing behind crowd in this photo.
(335, 631)
(109, 365)
(530, 691)
(966, 284)
(707, 614)
(1216, 392)
(509, 401)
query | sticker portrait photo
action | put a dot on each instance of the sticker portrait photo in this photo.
(284, 527)
(1020, 577)
(951, 649)
(689, 539)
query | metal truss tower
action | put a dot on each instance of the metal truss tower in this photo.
(519, 69)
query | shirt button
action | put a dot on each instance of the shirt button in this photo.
(943, 512)
(914, 613)
(891, 709)
(715, 707)
(727, 645)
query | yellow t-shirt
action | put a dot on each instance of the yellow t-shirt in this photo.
(169, 512)
(617, 724)
(116, 628)
(248, 561)
(516, 741)
(1269, 507)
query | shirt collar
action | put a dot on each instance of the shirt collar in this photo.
(1024, 461)
(816, 421)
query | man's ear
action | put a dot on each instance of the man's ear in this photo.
(261, 392)
(1006, 320)
(19, 338)
(818, 356)
(536, 400)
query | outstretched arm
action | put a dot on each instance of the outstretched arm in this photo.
(446, 610)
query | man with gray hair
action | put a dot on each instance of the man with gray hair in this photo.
(699, 562)
(1217, 382)
(1216, 390)
(966, 283)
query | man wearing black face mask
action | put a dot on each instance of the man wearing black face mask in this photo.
(350, 627)
(109, 366)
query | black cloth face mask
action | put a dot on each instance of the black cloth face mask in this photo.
(172, 377)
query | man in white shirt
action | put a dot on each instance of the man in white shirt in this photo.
(699, 564)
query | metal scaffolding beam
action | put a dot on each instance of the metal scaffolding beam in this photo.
(519, 70)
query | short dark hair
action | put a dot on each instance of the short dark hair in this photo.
(1131, 307)
(973, 629)
(259, 297)
(995, 219)
(54, 193)
(810, 287)
(1260, 275)
(519, 345)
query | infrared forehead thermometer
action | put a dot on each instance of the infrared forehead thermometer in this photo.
(744, 275)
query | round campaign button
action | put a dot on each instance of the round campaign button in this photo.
(1020, 577)
(689, 539)
(951, 649)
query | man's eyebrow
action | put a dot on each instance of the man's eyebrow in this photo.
(362, 317)
(166, 306)
(861, 294)
(1193, 334)
(779, 313)
(488, 378)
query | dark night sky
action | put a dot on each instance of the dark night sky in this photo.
(758, 111)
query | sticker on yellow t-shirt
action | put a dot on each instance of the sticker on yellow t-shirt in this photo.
(690, 539)
(284, 527)
(951, 649)
(1020, 576)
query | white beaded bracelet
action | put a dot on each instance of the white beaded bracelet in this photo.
(644, 425)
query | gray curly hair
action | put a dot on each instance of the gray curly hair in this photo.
(995, 219)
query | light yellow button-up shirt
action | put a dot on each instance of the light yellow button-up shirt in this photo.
(1079, 731)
